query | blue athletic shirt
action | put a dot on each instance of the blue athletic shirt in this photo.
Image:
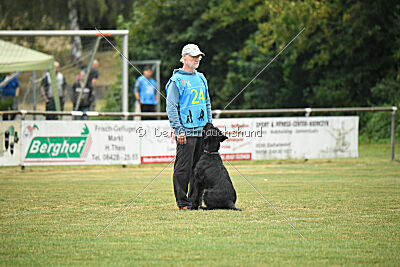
(10, 88)
(182, 97)
(146, 89)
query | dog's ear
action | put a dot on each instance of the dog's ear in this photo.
(206, 130)
(208, 125)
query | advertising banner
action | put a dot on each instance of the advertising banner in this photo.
(306, 138)
(158, 143)
(10, 143)
(263, 138)
(80, 142)
(135, 142)
(240, 135)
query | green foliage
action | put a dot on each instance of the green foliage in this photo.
(340, 57)
(376, 127)
(347, 55)
(53, 14)
(113, 99)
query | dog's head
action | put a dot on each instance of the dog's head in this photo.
(212, 137)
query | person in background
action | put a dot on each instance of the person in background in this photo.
(9, 96)
(92, 80)
(145, 92)
(94, 74)
(47, 91)
(87, 95)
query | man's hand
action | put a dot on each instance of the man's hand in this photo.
(181, 138)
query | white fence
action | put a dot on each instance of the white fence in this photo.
(294, 137)
(141, 142)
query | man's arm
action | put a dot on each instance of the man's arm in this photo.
(208, 106)
(172, 108)
(64, 89)
(17, 88)
(42, 89)
(136, 90)
(94, 84)
(155, 91)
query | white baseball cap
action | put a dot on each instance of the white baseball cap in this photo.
(192, 50)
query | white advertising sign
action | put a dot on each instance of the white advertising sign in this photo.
(306, 137)
(135, 142)
(80, 142)
(10, 143)
(158, 143)
(240, 135)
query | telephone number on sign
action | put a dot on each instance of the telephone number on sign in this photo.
(120, 157)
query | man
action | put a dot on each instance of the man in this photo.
(87, 97)
(9, 96)
(92, 79)
(189, 109)
(94, 74)
(145, 92)
(47, 91)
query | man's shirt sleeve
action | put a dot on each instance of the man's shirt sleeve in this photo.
(16, 83)
(137, 85)
(208, 105)
(172, 108)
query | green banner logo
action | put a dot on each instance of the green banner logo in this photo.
(45, 147)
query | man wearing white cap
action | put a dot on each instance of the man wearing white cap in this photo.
(189, 109)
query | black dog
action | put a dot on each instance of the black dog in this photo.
(211, 179)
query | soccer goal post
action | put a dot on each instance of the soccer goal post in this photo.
(90, 33)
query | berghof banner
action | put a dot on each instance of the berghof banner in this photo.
(141, 142)
(80, 142)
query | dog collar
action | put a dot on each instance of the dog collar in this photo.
(212, 153)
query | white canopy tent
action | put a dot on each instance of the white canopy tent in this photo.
(18, 58)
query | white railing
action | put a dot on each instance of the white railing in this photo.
(219, 113)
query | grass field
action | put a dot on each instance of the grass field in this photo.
(347, 209)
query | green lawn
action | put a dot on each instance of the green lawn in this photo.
(347, 209)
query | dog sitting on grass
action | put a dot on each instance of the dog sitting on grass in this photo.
(211, 179)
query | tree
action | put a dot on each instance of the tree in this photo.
(76, 51)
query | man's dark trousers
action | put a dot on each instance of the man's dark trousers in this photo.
(148, 108)
(187, 156)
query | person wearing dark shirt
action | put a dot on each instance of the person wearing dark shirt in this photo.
(87, 95)
(47, 91)
(92, 79)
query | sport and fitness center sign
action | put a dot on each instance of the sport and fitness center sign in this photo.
(141, 142)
